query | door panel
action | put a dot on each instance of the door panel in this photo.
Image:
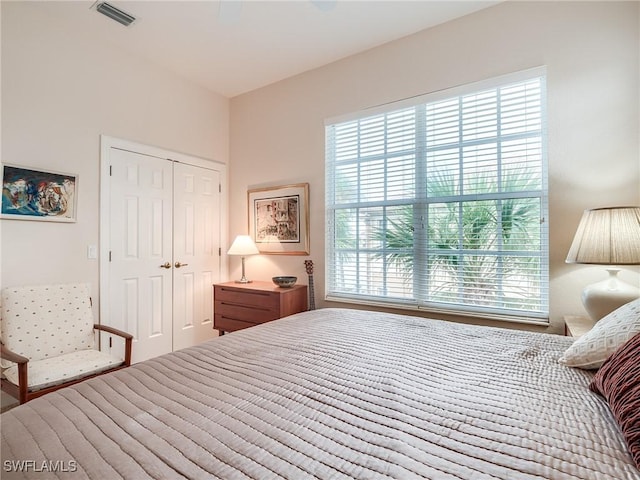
(196, 257)
(140, 243)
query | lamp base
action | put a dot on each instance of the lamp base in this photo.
(243, 279)
(604, 297)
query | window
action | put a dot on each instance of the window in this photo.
(440, 202)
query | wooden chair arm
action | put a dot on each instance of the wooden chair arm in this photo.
(7, 354)
(23, 371)
(112, 330)
(128, 340)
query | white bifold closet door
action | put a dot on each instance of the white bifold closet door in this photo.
(164, 250)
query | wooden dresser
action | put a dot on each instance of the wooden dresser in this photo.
(242, 305)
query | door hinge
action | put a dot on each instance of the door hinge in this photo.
(219, 251)
(110, 170)
(109, 255)
(110, 342)
(219, 188)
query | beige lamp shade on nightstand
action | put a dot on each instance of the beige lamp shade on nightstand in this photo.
(243, 245)
(607, 236)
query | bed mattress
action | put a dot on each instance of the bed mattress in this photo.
(331, 393)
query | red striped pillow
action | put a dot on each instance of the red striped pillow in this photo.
(618, 381)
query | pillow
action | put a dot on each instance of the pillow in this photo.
(618, 381)
(594, 347)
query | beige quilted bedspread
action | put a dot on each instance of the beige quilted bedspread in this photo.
(329, 394)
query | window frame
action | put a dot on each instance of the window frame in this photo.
(424, 304)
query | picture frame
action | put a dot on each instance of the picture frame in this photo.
(279, 219)
(36, 194)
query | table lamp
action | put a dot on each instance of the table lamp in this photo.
(607, 236)
(243, 245)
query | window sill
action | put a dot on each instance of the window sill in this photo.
(442, 311)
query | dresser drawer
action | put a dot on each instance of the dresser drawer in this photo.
(236, 296)
(227, 324)
(246, 313)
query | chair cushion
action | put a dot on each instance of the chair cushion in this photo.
(44, 321)
(60, 369)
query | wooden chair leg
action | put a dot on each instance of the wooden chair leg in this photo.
(127, 351)
(23, 382)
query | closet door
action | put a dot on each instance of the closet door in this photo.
(196, 259)
(140, 260)
(160, 247)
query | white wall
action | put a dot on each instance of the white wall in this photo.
(60, 91)
(592, 54)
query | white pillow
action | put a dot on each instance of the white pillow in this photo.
(594, 347)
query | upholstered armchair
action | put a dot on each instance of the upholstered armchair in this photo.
(48, 340)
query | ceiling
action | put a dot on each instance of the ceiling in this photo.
(235, 46)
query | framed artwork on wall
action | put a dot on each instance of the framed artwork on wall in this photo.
(42, 195)
(279, 219)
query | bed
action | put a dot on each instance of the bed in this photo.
(330, 393)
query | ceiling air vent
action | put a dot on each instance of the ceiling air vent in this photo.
(115, 14)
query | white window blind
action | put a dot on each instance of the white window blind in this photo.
(442, 204)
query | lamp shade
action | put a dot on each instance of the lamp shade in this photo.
(243, 245)
(607, 236)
